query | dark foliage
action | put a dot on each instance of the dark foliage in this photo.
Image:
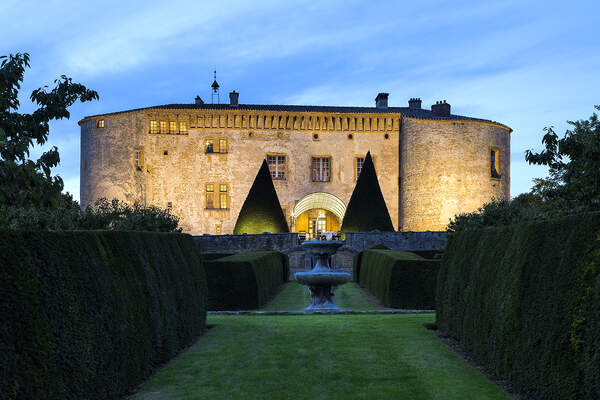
(367, 210)
(89, 315)
(24, 182)
(524, 300)
(399, 279)
(245, 281)
(357, 259)
(261, 211)
(114, 215)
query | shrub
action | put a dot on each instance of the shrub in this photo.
(367, 210)
(399, 279)
(261, 211)
(524, 300)
(91, 314)
(245, 281)
(357, 259)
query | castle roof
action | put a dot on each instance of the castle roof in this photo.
(419, 113)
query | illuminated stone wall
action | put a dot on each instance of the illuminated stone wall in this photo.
(443, 167)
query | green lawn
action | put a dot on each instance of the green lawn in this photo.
(319, 357)
(296, 297)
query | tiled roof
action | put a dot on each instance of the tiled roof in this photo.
(405, 111)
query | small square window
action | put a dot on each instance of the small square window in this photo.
(100, 123)
(154, 127)
(321, 169)
(165, 152)
(276, 166)
(169, 204)
(164, 128)
(223, 187)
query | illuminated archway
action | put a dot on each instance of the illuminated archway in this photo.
(320, 200)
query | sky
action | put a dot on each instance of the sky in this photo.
(526, 64)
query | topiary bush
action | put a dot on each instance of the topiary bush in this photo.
(524, 300)
(261, 211)
(89, 315)
(399, 279)
(245, 281)
(357, 260)
(366, 209)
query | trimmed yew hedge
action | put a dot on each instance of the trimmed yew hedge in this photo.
(90, 314)
(399, 279)
(524, 300)
(245, 281)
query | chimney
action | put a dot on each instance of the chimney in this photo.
(199, 100)
(233, 98)
(441, 108)
(414, 103)
(381, 100)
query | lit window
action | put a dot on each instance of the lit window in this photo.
(222, 145)
(210, 195)
(169, 204)
(172, 127)
(223, 196)
(321, 169)
(276, 166)
(209, 147)
(359, 164)
(182, 128)
(164, 127)
(100, 123)
(495, 163)
(218, 229)
(154, 127)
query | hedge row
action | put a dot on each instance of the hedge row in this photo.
(524, 300)
(399, 279)
(90, 314)
(245, 281)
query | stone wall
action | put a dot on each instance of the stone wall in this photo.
(242, 243)
(445, 170)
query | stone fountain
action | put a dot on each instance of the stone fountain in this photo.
(322, 279)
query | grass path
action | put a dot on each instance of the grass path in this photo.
(319, 357)
(296, 297)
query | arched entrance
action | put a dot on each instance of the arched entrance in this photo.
(318, 213)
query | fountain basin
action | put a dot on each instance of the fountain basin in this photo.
(322, 280)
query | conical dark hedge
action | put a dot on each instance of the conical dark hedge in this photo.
(367, 210)
(261, 211)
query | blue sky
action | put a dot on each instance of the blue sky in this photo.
(527, 64)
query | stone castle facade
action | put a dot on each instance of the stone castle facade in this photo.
(201, 159)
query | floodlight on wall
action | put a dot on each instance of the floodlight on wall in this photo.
(320, 200)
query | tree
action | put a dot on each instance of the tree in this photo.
(261, 211)
(574, 161)
(24, 182)
(367, 210)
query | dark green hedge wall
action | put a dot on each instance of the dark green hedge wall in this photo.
(245, 281)
(89, 315)
(524, 300)
(399, 279)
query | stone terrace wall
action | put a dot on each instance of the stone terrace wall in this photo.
(242, 243)
(288, 243)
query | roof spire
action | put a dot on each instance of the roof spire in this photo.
(215, 88)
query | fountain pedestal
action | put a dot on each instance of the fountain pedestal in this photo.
(322, 280)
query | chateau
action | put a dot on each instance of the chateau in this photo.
(201, 159)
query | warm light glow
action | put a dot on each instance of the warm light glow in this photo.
(320, 200)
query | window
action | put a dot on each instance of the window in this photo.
(183, 128)
(210, 195)
(218, 229)
(154, 127)
(222, 145)
(277, 166)
(100, 123)
(138, 159)
(172, 127)
(222, 196)
(164, 127)
(360, 161)
(209, 146)
(169, 205)
(495, 163)
(321, 169)
(165, 152)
